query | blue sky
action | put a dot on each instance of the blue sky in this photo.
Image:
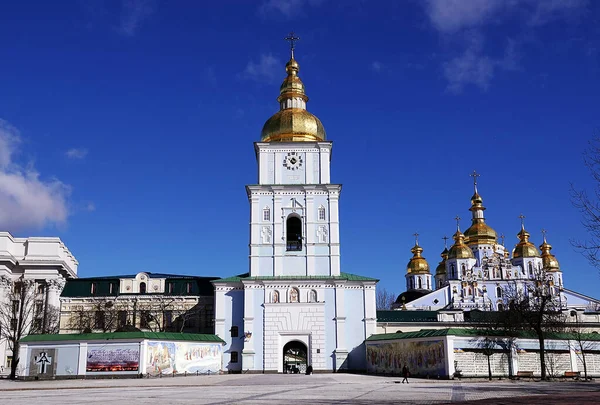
(127, 125)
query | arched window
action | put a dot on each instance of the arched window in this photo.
(419, 282)
(142, 288)
(500, 307)
(294, 233)
(321, 213)
(452, 270)
(499, 292)
(463, 270)
(266, 214)
(294, 295)
(530, 270)
(312, 296)
(275, 296)
(469, 291)
(411, 283)
(428, 284)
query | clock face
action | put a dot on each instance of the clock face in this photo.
(292, 161)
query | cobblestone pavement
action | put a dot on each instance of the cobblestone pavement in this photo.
(297, 389)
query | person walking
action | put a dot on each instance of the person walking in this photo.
(405, 374)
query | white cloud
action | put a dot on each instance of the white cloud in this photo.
(268, 69)
(471, 64)
(90, 207)
(454, 15)
(76, 153)
(376, 66)
(133, 13)
(288, 8)
(26, 200)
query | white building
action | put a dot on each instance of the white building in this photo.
(42, 263)
(295, 307)
(477, 270)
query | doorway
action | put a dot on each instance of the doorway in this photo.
(295, 357)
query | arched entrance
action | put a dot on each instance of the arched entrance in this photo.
(295, 357)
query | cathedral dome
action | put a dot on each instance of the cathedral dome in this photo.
(292, 123)
(459, 250)
(441, 268)
(417, 264)
(549, 262)
(524, 248)
(479, 232)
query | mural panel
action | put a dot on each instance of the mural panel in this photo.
(113, 358)
(182, 357)
(422, 358)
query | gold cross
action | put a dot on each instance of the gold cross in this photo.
(292, 38)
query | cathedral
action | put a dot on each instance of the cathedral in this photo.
(477, 270)
(295, 308)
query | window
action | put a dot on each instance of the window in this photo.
(40, 288)
(234, 331)
(110, 288)
(145, 319)
(93, 289)
(17, 288)
(452, 271)
(500, 307)
(463, 269)
(499, 292)
(275, 297)
(234, 357)
(170, 288)
(294, 295)
(37, 324)
(321, 213)
(294, 233)
(312, 296)
(530, 270)
(419, 282)
(142, 288)
(122, 316)
(209, 314)
(188, 287)
(15, 307)
(266, 214)
(13, 324)
(99, 320)
(39, 307)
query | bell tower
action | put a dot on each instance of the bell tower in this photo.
(294, 214)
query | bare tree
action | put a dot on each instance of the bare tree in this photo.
(581, 341)
(102, 316)
(384, 299)
(17, 314)
(534, 306)
(588, 204)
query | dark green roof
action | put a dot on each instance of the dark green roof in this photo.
(406, 316)
(82, 287)
(423, 333)
(195, 337)
(342, 276)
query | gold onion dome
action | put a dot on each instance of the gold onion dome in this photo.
(292, 123)
(459, 250)
(417, 264)
(524, 248)
(549, 261)
(441, 268)
(479, 232)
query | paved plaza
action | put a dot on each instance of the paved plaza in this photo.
(296, 389)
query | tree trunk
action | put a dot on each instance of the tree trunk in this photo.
(542, 355)
(15, 361)
(584, 364)
(489, 368)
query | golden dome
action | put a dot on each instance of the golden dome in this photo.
(459, 250)
(479, 232)
(417, 264)
(524, 248)
(441, 268)
(292, 123)
(549, 262)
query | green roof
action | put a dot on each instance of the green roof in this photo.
(406, 316)
(342, 276)
(423, 333)
(195, 337)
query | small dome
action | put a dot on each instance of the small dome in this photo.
(417, 264)
(459, 250)
(524, 248)
(441, 268)
(293, 125)
(411, 295)
(549, 262)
